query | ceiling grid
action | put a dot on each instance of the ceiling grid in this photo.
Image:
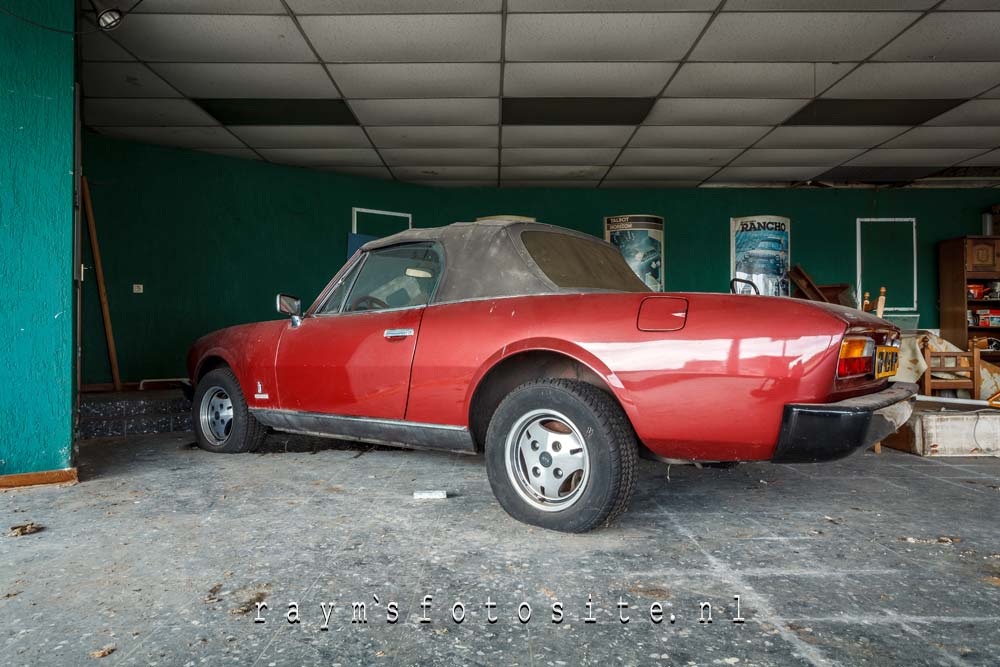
(651, 93)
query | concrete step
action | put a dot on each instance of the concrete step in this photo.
(110, 414)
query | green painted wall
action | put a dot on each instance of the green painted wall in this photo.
(213, 239)
(36, 238)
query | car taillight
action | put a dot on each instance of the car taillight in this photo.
(857, 357)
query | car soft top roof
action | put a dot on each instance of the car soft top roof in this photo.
(485, 259)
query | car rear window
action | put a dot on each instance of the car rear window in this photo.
(573, 262)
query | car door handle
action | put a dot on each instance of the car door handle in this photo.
(398, 333)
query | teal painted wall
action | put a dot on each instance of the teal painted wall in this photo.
(36, 238)
(213, 238)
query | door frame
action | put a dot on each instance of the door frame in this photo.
(356, 209)
(857, 237)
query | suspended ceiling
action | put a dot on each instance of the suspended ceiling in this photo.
(655, 93)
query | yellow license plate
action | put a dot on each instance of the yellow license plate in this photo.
(886, 361)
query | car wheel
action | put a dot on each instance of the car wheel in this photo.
(561, 454)
(220, 417)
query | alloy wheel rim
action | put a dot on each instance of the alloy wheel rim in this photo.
(547, 460)
(216, 415)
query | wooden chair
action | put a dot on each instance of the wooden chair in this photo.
(963, 364)
(877, 306)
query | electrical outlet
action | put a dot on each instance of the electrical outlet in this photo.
(136, 288)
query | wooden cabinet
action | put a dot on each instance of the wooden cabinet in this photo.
(971, 260)
(982, 254)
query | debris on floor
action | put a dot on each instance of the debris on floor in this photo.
(430, 495)
(250, 604)
(212, 593)
(944, 539)
(104, 651)
(25, 529)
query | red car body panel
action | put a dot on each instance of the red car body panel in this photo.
(713, 389)
(343, 364)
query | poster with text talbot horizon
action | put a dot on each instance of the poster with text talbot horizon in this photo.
(760, 251)
(639, 238)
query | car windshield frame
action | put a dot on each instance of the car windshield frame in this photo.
(358, 262)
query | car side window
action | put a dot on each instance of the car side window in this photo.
(335, 301)
(402, 276)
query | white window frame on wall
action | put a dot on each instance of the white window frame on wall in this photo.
(355, 210)
(857, 236)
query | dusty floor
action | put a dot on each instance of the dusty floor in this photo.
(163, 550)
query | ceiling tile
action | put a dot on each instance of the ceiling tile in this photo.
(241, 153)
(445, 183)
(649, 184)
(973, 112)
(445, 136)
(713, 111)
(368, 172)
(575, 110)
(619, 5)
(586, 79)
(567, 136)
(278, 112)
(697, 136)
(95, 45)
(206, 7)
(830, 136)
(767, 174)
(181, 137)
(558, 156)
(755, 79)
(137, 112)
(913, 157)
(698, 157)
(794, 157)
(427, 112)
(875, 174)
(207, 38)
(917, 81)
(415, 80)
(824, 5)
(567, 172)
(302, 136)
(660, 173)
(965, 5)
(943, 36)
(445, 172)
(255, 80)
(549, 184)
(601, 37)
(870, 112)
(322, 157)
(478, 157)
(967, 136)
(798, 36)
(405, 38)
(123, 80)
(392, 6)
(991, 159)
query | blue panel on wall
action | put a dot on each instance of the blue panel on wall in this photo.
(355, 241)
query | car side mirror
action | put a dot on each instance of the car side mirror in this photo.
(290, 305)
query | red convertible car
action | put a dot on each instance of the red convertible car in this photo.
(539, 347)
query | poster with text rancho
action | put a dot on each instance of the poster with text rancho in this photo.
(760, 252)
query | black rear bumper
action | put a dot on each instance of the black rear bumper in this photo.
(813, 432)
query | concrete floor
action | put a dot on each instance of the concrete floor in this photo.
(163, 549)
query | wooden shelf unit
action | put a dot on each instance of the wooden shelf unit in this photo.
(970, 259)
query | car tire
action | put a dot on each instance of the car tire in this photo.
(535, 432)
(220, 418)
